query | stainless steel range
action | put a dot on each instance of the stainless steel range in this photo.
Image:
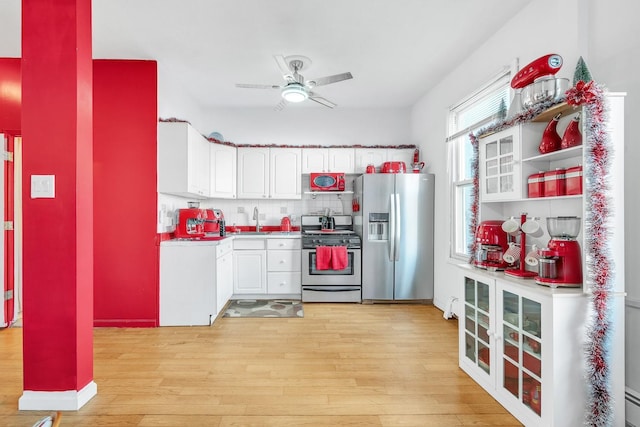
(330, 280)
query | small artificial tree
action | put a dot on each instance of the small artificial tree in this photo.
(581, 73)
(502, 109)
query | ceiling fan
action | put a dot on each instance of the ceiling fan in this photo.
(296, 88)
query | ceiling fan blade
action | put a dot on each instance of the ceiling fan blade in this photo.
(287, 72)
(252, 86)
(320, 100)
(280, 105)
(320, 81)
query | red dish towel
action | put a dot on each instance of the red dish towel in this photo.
(339, 257)
(323, 257)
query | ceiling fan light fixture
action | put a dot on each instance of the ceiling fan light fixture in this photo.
(294, 93)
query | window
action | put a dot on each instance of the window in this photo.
(478, 110)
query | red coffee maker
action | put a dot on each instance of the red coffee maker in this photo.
(560, 264)
(190, 222)
(491, 245)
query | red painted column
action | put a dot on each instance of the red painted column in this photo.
(57, 87)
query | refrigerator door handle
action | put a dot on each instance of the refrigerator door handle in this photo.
(397, 225)
(392, 229)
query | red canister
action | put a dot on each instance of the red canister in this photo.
(573, 178)
(536, 184)
(554, 183)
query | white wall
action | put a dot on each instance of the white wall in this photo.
(308, 125)
(429, 115)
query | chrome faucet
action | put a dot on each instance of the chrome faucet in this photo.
(256, 217)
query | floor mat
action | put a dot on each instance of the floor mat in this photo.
(264, 308)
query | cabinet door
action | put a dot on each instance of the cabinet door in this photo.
(187, 285)
(520, 355)
(253, 173)
(224, 279)
(499, 166)
(342, 160)
(401, 155)
(198, 165)
(315, 160)
(286, 176)
(180, 163)
(249, 272)
(370, 156)
(223, 171)
(478, 332)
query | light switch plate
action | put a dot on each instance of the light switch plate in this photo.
(43, 186)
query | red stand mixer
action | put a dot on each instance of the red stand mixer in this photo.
(560, 264)
(491, 245)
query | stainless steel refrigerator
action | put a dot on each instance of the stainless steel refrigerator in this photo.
(395, 223)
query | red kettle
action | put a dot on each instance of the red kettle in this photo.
(285, 224)
(550, 138)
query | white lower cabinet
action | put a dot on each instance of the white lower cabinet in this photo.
(187, 284)
(523, 343)
(224, 274)
(283, 266)
(249, 266)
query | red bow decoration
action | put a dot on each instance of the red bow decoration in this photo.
(582, 93)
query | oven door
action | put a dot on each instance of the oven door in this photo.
(351, 275)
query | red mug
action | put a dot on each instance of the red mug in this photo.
(371, 169)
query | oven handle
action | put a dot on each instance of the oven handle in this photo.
(333, 289)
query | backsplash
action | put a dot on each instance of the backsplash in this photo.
(240, 212)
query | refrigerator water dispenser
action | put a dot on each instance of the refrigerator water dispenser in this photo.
(378, 226)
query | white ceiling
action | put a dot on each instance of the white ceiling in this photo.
(396, 50)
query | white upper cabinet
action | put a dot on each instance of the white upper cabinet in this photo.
(315, 160)
(253, 172)
(328, 160)
(269, 173)
(183, 160)
(223, 171)
(342, 160)
(370, 156)
(401, 155)
(285, 177)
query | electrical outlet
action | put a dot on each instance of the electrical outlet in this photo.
(240, 209)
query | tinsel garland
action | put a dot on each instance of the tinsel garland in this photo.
(600, 266)
(599, 272)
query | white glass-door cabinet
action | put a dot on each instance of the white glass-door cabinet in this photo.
(518, 339)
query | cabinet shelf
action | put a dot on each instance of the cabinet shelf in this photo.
(314, 194)
(562, 108)
(567, 153)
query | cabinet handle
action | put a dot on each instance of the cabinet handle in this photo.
(282, 261)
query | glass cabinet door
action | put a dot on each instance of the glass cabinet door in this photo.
(498, 172)
(522, 348)
(477, 317)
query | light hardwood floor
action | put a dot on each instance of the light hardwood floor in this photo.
(340, 365)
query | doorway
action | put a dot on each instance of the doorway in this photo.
(11, 249)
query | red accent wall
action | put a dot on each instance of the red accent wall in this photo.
(124, 183)
(125, 188)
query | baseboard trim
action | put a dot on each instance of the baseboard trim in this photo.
(71, 400)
